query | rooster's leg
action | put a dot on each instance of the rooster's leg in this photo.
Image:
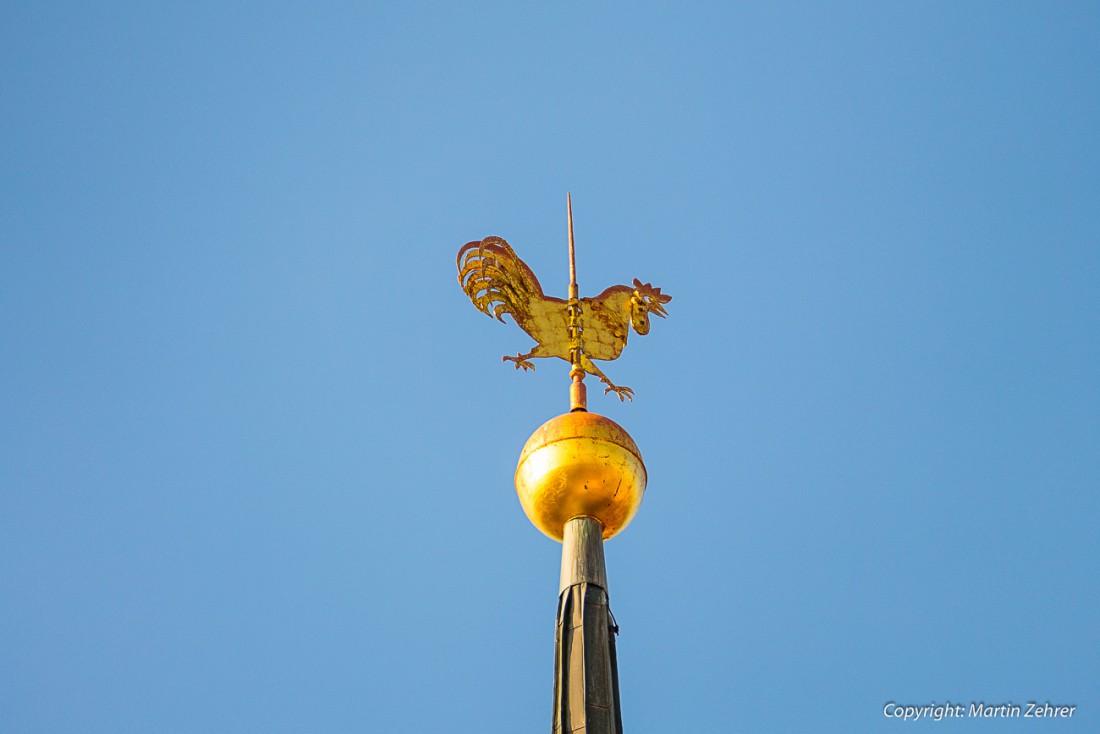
(522, 360)
(624, 393)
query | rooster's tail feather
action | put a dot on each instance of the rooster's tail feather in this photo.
(495, 279)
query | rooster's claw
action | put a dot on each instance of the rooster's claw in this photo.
(520, 362)
(624, 393)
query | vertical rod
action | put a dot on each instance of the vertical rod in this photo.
(578, 397)
(572, 250)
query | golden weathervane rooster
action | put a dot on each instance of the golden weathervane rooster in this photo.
(577, 330)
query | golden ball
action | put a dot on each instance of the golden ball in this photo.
(580, 464)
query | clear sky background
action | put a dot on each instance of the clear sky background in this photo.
(256, 446)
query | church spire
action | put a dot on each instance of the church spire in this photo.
(580, 476)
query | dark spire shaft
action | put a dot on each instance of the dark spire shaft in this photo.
(586, 676)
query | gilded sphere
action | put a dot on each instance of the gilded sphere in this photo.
(580, 464)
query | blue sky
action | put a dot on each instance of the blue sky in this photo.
(256, 447)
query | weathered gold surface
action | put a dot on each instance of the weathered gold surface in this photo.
(580, 464)
(587, 329)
